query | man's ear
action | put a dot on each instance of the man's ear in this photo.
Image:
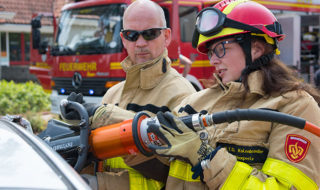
(167, 35)
(257, 49)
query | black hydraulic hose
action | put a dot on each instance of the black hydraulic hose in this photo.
(201, 121)
(257, 115)
(84, 132)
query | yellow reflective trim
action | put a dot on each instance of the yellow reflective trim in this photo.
(197, 63)
(231, 6)
(283, 176)
(175, 63)
(115, 65)
(268, 40)
(299, 4)
(224, 32)
(271, 183)
(288, 173)
(201, 63)
(182, 170)
(254, 183)
(266, 37)
(137, 180)
(116, 162)
(238, 176)
(41, 65)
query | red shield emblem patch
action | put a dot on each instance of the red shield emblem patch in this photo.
(296, 147)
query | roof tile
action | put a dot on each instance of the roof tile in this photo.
(24, 9)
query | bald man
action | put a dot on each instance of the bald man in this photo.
(151, 86)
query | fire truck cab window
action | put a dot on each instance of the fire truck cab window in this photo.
(27, 46)
(187, 16)
(3, 44)
(167, 16)
(90, 30)
(15, 46)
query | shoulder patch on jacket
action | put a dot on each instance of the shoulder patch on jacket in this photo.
(296, 147)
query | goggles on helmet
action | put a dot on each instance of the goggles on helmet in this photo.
(210, 21)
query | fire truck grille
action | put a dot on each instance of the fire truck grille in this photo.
(88, 86)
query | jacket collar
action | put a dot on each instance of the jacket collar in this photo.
(255, 83)
(146, 75)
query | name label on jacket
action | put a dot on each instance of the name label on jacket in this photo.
(247, 154)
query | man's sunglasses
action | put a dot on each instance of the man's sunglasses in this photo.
(149, 34)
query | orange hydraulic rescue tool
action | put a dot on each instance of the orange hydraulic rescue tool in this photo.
(131, 136)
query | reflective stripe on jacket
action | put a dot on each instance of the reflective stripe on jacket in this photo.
(181, 170)
(150, 87)
(137, 181)
(256, 154)
(284, 177)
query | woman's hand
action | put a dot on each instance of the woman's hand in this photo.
(181, 141)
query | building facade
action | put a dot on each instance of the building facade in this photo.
(15, 29)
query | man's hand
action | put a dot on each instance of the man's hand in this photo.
(181, 141)
(71, 114)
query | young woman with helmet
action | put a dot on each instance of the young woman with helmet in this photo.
(240, 38)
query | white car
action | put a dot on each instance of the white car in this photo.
(26, 162)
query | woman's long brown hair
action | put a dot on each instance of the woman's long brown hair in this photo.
(279, 78)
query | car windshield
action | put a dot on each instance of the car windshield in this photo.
(90, 30)
(22, 166)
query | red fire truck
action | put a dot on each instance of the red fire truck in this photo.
(87, 50)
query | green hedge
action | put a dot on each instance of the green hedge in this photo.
(25, 99)
(20, 98)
